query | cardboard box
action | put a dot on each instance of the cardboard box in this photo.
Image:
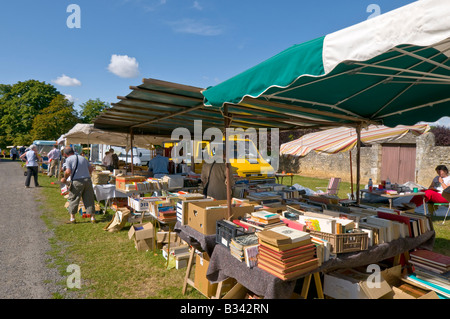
(119, 172)
(162, 237)
(182, 208)
(139, 204)
(143, 236)
(202, 284)
(204, 220)
(121, 181)
(393, 277)
(237, 292)
(174, 181)
(351, 284)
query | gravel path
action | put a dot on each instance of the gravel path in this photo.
(23, 239)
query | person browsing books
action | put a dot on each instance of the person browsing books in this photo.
(79, 170)
(214, 179)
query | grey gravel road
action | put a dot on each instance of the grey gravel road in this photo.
(23, 239)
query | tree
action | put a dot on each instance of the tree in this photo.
(20, 103)
(91, 109)
(55, 120)
(441, 135)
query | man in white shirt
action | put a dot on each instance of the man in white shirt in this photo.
(54, 157)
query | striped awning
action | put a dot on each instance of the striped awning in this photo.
(344, 139)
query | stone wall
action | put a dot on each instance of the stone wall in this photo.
(335, 165)
(428, 156)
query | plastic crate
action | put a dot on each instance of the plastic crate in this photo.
(344, 243)
(226, 231)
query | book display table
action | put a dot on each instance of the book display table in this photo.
(282, 176)
(390, 198)
(223, 265)
(197, 241)
(107, 192)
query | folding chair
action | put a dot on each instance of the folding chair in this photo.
(332, 188)
(434, 205)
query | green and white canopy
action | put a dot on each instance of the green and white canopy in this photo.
(392, 69)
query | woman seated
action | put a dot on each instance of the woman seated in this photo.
(434, 193)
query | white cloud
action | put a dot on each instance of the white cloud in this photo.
(124, 66)
(195, 27)
(443, 121)
(65, 80)
(70, 98)
(197, 6)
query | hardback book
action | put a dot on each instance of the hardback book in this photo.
(422, 221)
(287, 262)
(276, 252)
(293, 224)
(283, 235)
(251, 255)
(326, 225)
(434, 268)
(274, 238)
(265, 221)
(399, 218)
(290, 275)
(326, 250)
(295, 234)
(378, 232)
(431, 257)
(284, 269)
(265, 215)
(387, 224)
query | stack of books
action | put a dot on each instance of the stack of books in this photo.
(266, 198)
(263, 220)
(431, 266)
(286, 253)
(164, 210)
(167, 213)
(431, 271)
(243, 247)
(289, 194)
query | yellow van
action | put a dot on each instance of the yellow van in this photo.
(248, 164)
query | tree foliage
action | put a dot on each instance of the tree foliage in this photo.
(91, 109)
(441, 135)
(20, 103)
(53, 121)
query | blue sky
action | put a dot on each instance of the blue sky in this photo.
(194, 42)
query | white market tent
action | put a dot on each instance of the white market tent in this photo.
(87, 134)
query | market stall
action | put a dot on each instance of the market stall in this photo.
(401, 72)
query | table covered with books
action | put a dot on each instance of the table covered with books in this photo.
(223, 265)
(349, 245)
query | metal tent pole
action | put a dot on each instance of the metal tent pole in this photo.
(227, 164)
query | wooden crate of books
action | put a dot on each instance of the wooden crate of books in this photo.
(344, 243)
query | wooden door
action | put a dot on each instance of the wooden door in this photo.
(398, 163)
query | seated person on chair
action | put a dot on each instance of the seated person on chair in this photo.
(434, 192)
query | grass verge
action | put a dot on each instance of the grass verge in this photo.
(110, 266)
